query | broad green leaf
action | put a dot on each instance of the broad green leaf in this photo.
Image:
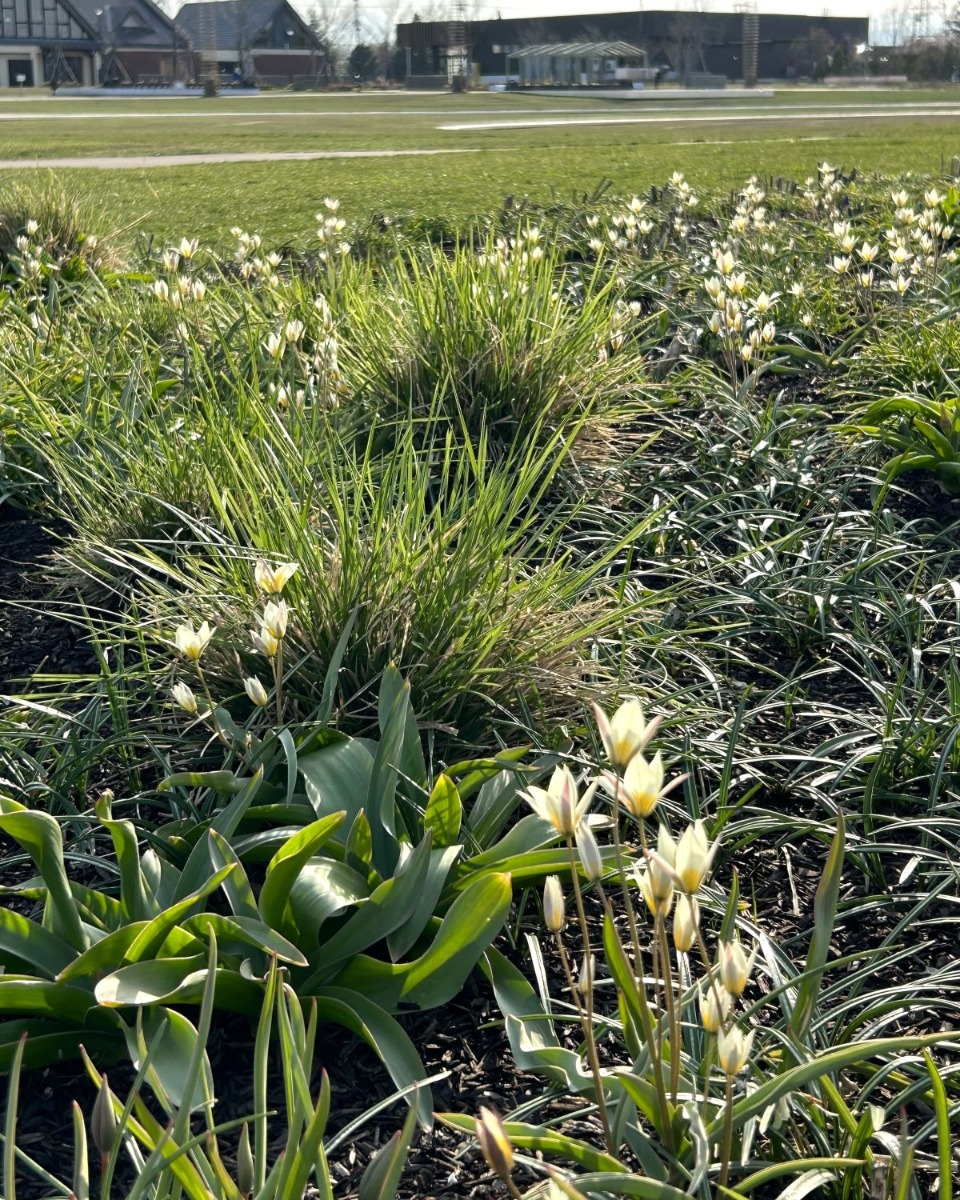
(338, 778)
(226, 782)
(46, 1046)
(395, 696)
(45, 952)
(385, 1037)
(176, 981)
(529, 833)
(388, 907)
(136, 902)
(236, 885)
(155, 932)
(524, 1014)
(197, 867)
(248, 930)
(171, 1056)
(404, 937)
(148, 982)
(497, 801)
(380, 804)
(40, 836)
(105, 955)
(360, 844)
(824, 917)
(444, 812)
(24, 995)
(474, 920)
(324, 887)
(439, 973)
(286, 865)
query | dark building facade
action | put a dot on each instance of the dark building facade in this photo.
(710, 43)
(260, 40)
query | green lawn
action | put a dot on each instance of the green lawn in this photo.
(279, 199)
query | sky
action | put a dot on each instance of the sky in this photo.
(540, 8)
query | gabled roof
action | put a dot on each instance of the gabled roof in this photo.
(236, 22)
(137, 22)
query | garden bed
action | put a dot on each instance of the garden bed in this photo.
(702, 451)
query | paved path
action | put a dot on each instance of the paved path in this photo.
(860, 113)
(137, 162)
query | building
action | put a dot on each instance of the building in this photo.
(684, 42)
(139, 45)
(255, 40)
(39, 39)
(85, 42)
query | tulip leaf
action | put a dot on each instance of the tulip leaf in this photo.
(824, 917)
(444, 812)
(380, 805)
(551, 1142)
(236, 886)
(536, 1049)
(154, 934)
(400, 940)
(26, 995)
(323, 888)
(474, 920)
(43, 951)
(197, 867)
(389, 906)
(360, 843)
(385, 1037)
(286, 865)
(174, 1040)
(136, 904)
(393, 704)
(40, 836)
(382, 1177)
(147, 982)
(248, 930)
(337, 777)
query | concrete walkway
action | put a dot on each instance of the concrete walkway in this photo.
(139, 162)
(860, 113)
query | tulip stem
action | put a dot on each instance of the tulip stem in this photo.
(585, 1005)
(671, 1003)
(727, 1132)
(212, 708)
(278, 681)
(648, 1029)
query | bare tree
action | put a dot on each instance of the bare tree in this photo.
(332, 22)
(893, 26)
(686, 37)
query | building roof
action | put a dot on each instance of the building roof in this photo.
(235, 22)
(129, 22)
(615, 49)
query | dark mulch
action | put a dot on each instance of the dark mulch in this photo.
(32, 637)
